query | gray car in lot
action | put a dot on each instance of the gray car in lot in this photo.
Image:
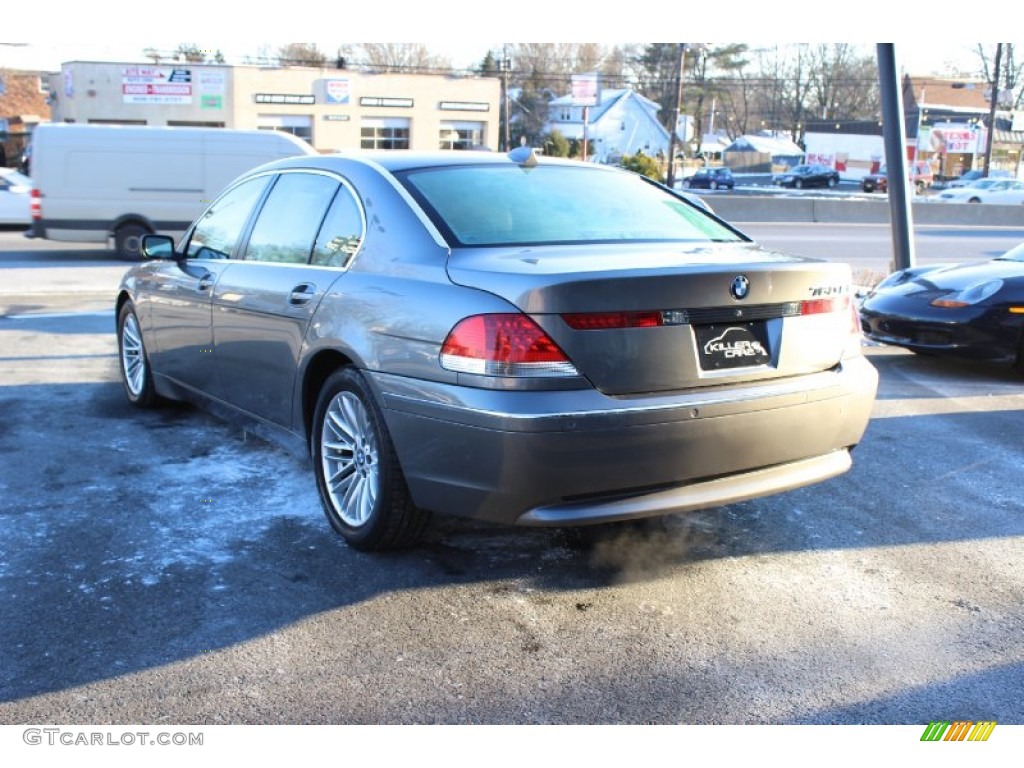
(519, 340)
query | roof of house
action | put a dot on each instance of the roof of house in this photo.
(933, 91)
(765, 144)
(609, 97)
(22, 97)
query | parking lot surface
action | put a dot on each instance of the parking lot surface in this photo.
(162, 566)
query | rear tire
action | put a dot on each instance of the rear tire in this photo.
(128, 241)
(832, 182)
(713, 185)
(362, 488)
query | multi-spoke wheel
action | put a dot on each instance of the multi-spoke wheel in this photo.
(360, 480)
(135, 374)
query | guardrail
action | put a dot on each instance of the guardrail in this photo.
(752, 208)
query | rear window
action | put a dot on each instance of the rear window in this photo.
(511, 205)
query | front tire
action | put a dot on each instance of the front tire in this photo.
(136, 375)
(832, 182)
(713, 185)
(798, 184)
(362, 488)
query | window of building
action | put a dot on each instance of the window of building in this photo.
(290, 217)
(296, 125)
(461, 135)
(384, 133)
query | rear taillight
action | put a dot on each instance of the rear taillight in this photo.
(824, 306)
(503, 345)
(604, 321)
(36, 203)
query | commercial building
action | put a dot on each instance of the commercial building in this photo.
(330, 108)
(946, 125)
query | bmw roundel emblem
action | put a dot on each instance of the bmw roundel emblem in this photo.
(740, 287)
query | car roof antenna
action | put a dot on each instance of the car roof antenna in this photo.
(524, 156)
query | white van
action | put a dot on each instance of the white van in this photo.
(96, 183)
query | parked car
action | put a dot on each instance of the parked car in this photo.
(15, 191)
(973, 310)
(998, 191)
(971, 176)
(802, 176)
(710, 178)
(920, 177)
(522, 340)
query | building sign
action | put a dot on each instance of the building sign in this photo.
(337, 91)
(156, 85)
(337, 118)
(821, 158)
(210, 101)
(953, 140)
(585, 90)
(383, 101)
(284, 98)
(210, 81)
(465, 106)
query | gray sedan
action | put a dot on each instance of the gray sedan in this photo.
(520, 340)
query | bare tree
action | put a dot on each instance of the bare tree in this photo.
(301, 55)
(400, 57)
(1011, 78)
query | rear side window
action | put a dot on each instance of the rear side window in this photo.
(341, 233)
(510, 205)
(219, 230)
(288, 222)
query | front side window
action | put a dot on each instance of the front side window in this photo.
(510, 205)
(220, 228)
(288, 222)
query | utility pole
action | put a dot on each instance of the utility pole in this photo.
(994, 102)
(506, 66)
(670, 177)
(894, 138)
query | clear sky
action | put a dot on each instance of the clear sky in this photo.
(117, 30)
(49, 54)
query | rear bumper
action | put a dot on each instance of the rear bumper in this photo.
(577, 456)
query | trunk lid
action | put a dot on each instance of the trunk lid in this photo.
(710, 332)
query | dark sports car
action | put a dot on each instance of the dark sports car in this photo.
(969, 310)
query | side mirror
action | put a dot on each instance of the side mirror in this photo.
(158, 247)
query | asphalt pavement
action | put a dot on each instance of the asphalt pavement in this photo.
(164, 567)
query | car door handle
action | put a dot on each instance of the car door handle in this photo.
(302, 293)
(205, 282)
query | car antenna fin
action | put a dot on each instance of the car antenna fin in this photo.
(524, 156)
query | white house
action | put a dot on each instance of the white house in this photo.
(623, 123)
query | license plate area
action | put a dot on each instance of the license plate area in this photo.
(732, 345)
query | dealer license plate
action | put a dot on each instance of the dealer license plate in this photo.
(732, 345)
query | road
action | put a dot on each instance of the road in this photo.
(162, 567)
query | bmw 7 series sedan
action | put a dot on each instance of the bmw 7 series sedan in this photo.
(521, 340)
